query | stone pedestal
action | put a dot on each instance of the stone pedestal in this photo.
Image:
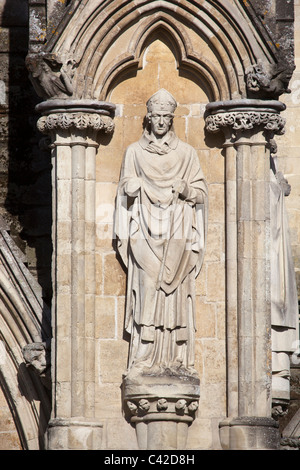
(248, 127)
(76, 128)
(162, 408)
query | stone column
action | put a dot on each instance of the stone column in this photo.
(76, 128)
(248, 125)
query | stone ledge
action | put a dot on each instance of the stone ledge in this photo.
(83, 106)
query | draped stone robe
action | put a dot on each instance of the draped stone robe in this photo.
(161, 239)
(284, 299)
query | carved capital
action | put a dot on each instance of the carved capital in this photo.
(79, 115)
(245, 121)
(150, 398)
(152, 408)
(243, 115)
(79, 121)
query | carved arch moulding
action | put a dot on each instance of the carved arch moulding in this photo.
(25, 331)
(79, 49)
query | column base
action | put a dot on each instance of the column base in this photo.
(74, 434)
(249, 433)
(162, 408)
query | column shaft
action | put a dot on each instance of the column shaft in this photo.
(248, 125)
(90, 276)
(253, 267)
(75, 139)
(231, 281)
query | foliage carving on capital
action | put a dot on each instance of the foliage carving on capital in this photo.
(245, 121)
(79, 121)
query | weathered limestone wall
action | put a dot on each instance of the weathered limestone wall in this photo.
(13, 47)
(25, 171)
(130, 96)
(14, 88)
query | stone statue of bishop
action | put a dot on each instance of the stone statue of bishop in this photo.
(160, 226)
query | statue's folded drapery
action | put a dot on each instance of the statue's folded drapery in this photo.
(284, 298)
(161, 239)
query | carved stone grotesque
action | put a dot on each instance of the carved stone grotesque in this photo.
(161, 213)
(50, 76)
(37, 357)
(268, 81)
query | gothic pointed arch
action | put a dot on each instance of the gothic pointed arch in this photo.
(24, 335)
(199, 68)
(96, 41)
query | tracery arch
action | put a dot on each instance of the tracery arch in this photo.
(201, 69)
(95, 31)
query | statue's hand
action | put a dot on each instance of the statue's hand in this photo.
(181, 187)
(132, 187)
(285, 186)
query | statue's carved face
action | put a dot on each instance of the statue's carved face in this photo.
(161, 122)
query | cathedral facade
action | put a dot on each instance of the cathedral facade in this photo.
(124, 342)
